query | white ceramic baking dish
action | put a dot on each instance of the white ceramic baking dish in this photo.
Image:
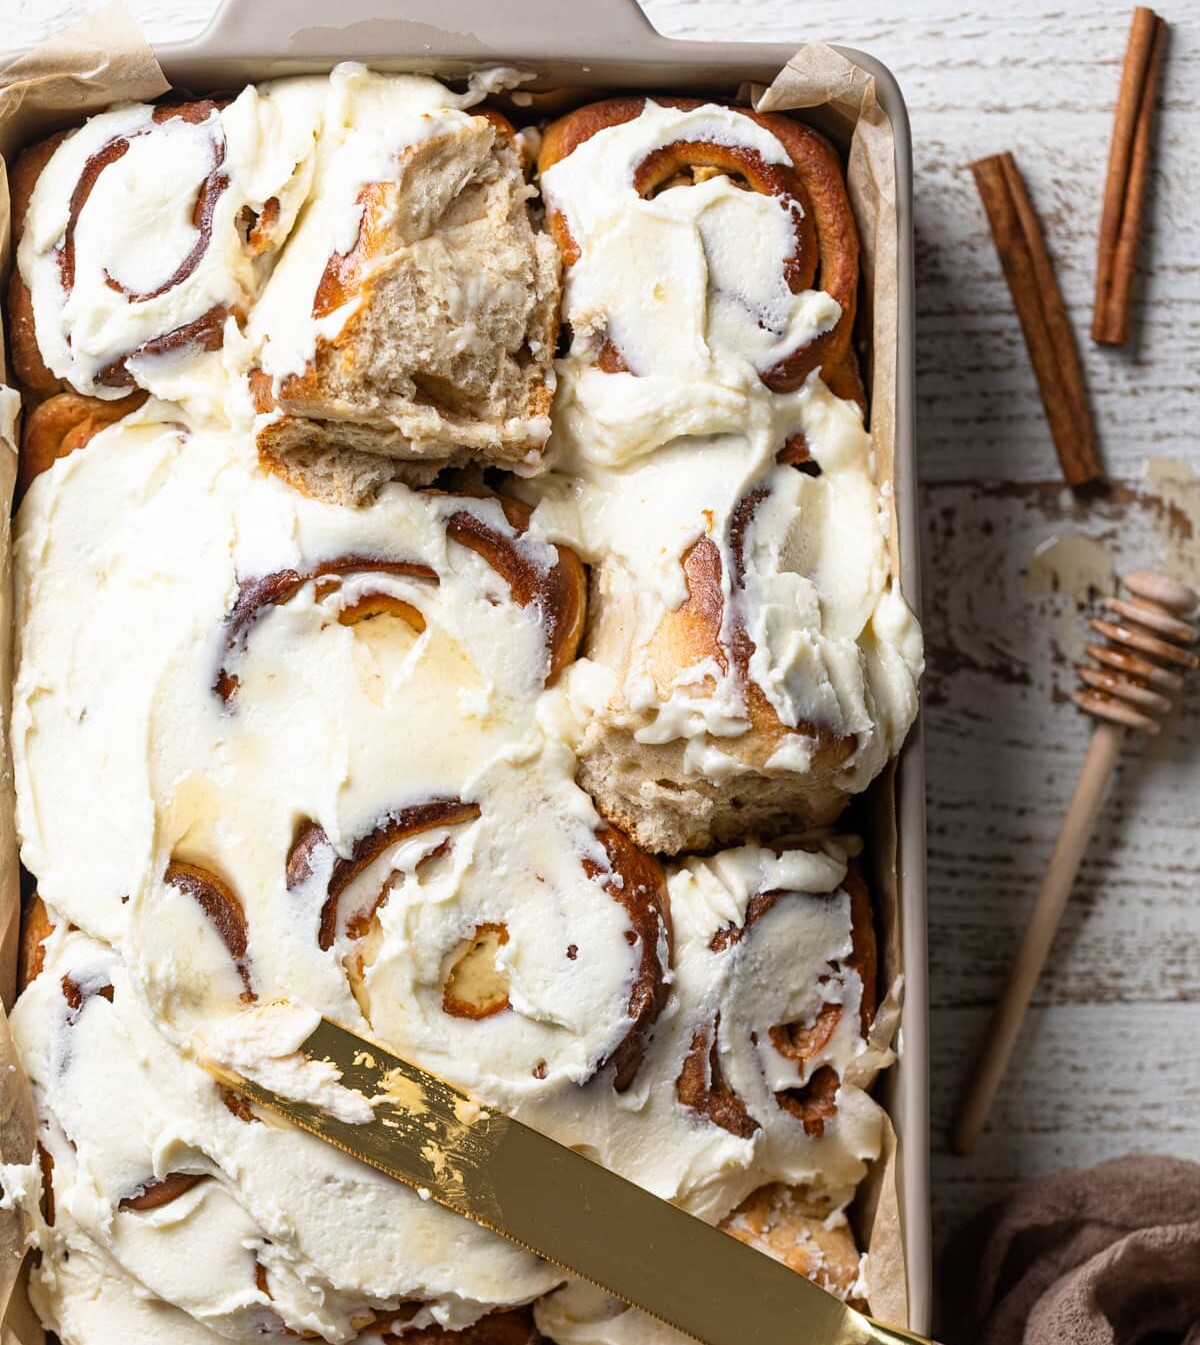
(604, 45)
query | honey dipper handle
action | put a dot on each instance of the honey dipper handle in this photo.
(1044, 920)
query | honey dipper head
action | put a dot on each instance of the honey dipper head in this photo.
(1148, 650)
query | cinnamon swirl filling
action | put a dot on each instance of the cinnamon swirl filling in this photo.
(771, 156)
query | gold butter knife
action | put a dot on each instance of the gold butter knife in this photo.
(563, 1207)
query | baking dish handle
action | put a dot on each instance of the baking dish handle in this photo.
(449, 28)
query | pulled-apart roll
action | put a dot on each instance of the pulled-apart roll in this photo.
(413, 312)
(750, 663)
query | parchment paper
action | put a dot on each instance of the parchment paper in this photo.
(17, 1128)
(104, 60)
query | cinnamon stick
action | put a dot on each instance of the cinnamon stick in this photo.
(1043, 315)
(1128, 171)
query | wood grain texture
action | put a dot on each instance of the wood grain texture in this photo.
(1110, 1058)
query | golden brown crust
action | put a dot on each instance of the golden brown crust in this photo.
(224, 910)
(62, 424)
(345, 273)
(827, 248)
(845, 380)
(559, 594)
(27, 360)
(512, 1327)
(639, 884)
(566, 134)
(312, 841)
(800, 1229)
(702, 1085)
(497, 119)
(25, 173)
(864, 957)
(36, 928)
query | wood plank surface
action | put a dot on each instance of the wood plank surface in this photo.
(1110, 1059)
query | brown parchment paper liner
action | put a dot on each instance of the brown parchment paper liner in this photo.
(17, 1126)
(103, 60)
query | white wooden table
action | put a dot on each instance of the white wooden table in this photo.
(1110, 1060)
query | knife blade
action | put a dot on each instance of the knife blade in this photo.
(554, 1202)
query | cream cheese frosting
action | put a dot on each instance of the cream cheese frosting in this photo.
(352, 730)
(159, 241)
(697, 314)
(263, 1044)
(277, 758)
(336, 1241)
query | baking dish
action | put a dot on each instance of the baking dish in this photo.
(609, 45)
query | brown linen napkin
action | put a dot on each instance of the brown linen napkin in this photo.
(1109, 1256)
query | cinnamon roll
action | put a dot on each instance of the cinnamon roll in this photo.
(750, 663)
(762, 1058)
(769, 174)
(144, 235)
(413, 312)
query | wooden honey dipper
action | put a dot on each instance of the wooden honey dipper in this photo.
(1138, 677)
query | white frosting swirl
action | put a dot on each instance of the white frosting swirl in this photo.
(160, 241)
